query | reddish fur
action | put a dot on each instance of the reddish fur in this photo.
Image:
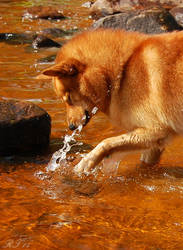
(136, 79)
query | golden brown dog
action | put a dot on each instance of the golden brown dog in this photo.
(135, 79)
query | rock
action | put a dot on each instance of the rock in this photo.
(150, 21)
(16, 38)
(108, 7)
(44, 12)
(24, 127)
(47, 59)
(42, 41)
(177, 13)
(55, 32)
(88, 188)
(37, 40)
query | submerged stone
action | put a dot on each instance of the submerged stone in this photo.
(42, 41)
(17, 38)
(24, 128)
(36, 40)
(44, 12)
(47, 59)
(56, 32)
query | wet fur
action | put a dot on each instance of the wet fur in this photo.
(135, 79)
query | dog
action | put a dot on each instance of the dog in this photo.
(135, 79)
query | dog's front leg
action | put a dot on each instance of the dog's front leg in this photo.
(139, 139)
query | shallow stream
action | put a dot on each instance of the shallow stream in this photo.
(130, 208)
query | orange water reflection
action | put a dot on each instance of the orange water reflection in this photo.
(136, 208)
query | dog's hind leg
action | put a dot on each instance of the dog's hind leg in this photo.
(137, 140)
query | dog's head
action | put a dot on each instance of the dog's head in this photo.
(82, 87)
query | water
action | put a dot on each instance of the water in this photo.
(136, 208)
(60, 156)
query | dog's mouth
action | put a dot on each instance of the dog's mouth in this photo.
(86, 119)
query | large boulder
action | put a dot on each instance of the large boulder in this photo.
(150, 21)
(24, 128)
(108, 7)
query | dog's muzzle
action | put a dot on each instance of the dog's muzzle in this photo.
(86, 118)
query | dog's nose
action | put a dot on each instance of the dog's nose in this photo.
(72, 127)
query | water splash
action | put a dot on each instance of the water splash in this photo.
(60, 156)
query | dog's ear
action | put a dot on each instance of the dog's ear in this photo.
(70, 67)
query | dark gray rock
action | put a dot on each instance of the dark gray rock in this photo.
(150, 21)
(55, 32)
(24, 127)
(44, 12)
(17, 38)
(36, 40)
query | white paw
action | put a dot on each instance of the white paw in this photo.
(83, 167)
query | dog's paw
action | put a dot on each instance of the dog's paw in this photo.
(90, 160)
(84, 167)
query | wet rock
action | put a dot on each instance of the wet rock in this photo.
(177, 13)
(47, 59)
(44, 12)
(36, 40)
(150, 21)
(24, 127)
(15, 38)
(42, 41)
(55, 32)
(88, 188)
(108, 7)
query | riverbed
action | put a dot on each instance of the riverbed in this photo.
(128, 208)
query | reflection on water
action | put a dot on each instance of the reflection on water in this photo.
(135, 208)
(139, 209)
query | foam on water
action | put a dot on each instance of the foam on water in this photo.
(60, 156)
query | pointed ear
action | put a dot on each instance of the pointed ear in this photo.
(70, 67)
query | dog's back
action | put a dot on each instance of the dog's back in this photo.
(153, 83)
